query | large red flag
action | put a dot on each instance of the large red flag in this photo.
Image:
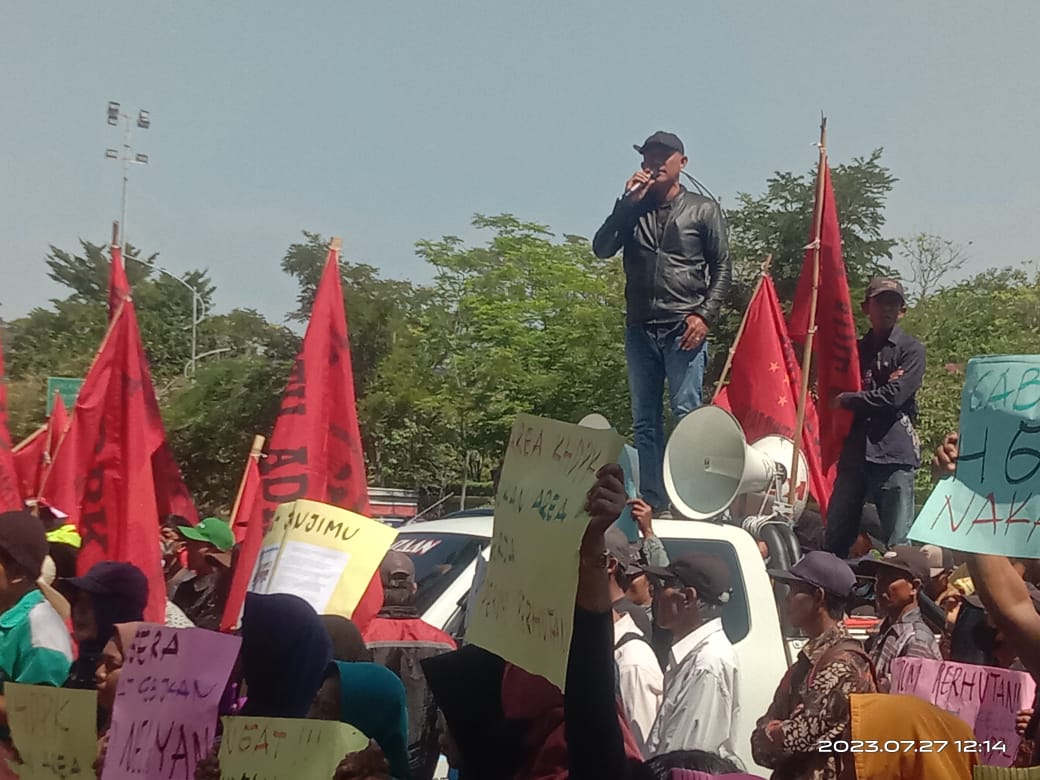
(315, 450)
(764, 382)
(103, 468)
(834, 346)
(10, 496)
(118, 284)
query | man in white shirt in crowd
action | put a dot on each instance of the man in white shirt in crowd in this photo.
(700, 706)
(640, 679)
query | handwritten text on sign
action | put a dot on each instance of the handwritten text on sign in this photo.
(54, 730)
(525, 609)
(992, 505)
(276, 748)
(165, 715)
(986, 698)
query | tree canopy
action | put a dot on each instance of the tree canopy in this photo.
(524, 322)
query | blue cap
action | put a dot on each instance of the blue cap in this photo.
(820, 569)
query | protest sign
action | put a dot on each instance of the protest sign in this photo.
(165, 715)
(986, 698)
(992, 504)
(321, 553)
(279, 748)
(53, 729)
(525, 611)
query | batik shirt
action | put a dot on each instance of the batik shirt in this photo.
(812, 705)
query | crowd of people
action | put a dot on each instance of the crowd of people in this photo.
(653, 682)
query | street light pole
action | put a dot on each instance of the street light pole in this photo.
(196, 299)
(127, 156)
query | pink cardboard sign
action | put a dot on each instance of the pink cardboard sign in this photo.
(986, 698)
(165, 715)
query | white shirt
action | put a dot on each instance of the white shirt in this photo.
(641, 679)
(701, 703)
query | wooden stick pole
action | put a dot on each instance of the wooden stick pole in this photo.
(255, 452)
(29, 439)
(740, 331)
(803, 395)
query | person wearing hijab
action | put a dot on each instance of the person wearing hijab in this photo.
(373, 700)
(285, 652)
(885, 717)
(110, 593)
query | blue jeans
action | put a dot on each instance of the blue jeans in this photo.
(889, 487)
(653, 354)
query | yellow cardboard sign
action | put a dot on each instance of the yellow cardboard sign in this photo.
(53, 729)
(321, 553)
(285, 748)
(525, 610)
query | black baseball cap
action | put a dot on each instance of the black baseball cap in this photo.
(707, 574)
(881, 284)
(661, 138)
(822, 570)
(903, 558)
(111, 578)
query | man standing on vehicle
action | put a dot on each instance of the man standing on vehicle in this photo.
(677, 271)
(400, 641)
(701, 697)
(882, 451)
(812, 702)
(901, 575)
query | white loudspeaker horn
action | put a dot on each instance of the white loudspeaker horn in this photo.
(781, 450)
(597, 421)
(708, 463)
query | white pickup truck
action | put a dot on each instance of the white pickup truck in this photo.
(445, 554)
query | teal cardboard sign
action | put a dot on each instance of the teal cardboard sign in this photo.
(992, 504)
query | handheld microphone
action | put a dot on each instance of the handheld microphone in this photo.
(637, 187)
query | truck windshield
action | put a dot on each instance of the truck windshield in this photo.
(439, 558)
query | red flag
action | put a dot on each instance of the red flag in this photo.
(249, 535)
(834, 346)
(29, 457)
(10, 496)
(103, 474)
(315, 450)
(764, 383)
(118, 284)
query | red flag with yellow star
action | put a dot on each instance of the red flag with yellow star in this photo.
(763, 386)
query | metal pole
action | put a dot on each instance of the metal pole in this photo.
(126, 179)
(194, 328)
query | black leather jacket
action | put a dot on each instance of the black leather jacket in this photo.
(685, 270)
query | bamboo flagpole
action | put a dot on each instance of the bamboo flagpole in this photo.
(803, 395)
(740, 331)
(29, 439)
(256, 452)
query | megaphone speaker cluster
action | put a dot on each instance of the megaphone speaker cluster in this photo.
(708, 463)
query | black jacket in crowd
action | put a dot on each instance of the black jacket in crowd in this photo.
(676, 257)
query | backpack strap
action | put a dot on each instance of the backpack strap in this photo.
(832, 654)
(629, 637)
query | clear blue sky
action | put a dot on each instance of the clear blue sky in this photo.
(388, 122)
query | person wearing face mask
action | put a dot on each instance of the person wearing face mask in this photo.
(900, 576)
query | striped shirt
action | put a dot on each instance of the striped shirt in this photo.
(906, 637)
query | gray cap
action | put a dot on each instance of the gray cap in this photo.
(620, 549)
(822, 570)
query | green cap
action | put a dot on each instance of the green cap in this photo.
(212, 530)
